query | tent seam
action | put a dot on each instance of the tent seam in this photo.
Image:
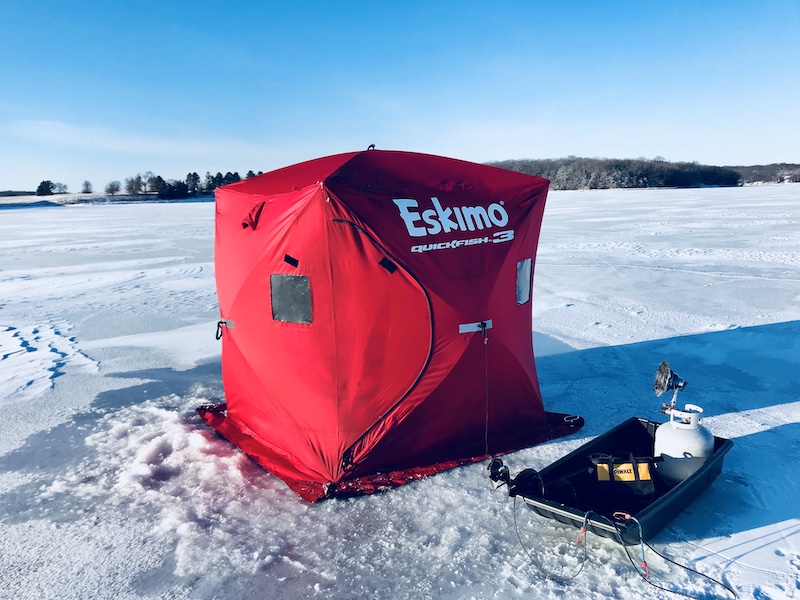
(348, 454)
(328, 199)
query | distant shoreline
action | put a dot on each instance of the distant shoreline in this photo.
(30, 200)
(54, 200)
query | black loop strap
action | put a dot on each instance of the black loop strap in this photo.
(223, 323)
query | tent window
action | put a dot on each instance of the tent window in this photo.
(524, 280)
(291, 298)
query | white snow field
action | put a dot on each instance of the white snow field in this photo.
(112, 487)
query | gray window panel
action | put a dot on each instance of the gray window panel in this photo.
(291, 298)
(524, 280)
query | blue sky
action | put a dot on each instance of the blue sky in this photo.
(107, 89)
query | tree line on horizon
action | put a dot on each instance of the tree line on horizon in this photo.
(148, 183)
(570, 173)
(574, 173)
(172, 189)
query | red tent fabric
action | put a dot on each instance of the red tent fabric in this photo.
(376, 319)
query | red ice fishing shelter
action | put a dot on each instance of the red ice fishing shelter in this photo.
(376, 319)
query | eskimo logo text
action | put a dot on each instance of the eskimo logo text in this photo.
(441, 219)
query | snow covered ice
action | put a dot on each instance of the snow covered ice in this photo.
(112, 487)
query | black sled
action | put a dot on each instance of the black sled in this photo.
(573, 490)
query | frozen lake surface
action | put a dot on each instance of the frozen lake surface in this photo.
(112, 487)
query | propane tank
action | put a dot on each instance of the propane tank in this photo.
(683, 443)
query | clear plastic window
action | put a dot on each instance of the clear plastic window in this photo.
(291, 298)
(524, 280)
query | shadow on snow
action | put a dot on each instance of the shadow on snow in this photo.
(728, 372)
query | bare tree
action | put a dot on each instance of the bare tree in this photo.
(113, 187)
(133, 185)
(87, 187)
(147, 177)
